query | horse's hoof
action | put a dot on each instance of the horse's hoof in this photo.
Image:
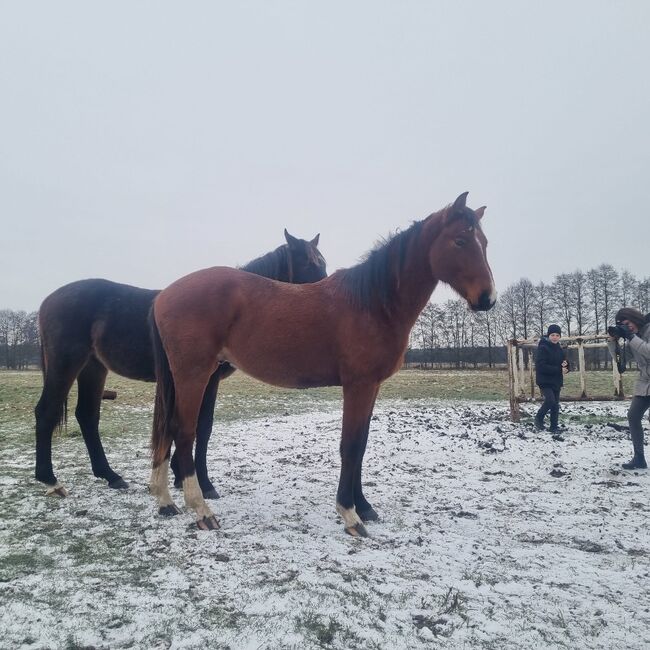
(56, 490)
(358, 530)
(119, 484)
(211, 494)
(368, 515)
(169, 511)
(178, 485)
(208, 523)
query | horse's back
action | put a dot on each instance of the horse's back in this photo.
(107, 319)
(287, 335)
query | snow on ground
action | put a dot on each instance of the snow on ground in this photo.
(491, 536)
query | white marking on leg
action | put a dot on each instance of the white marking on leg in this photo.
(56, 490)
(194, 497)
(350, 516)
(159, 484)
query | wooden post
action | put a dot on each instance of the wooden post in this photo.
(618, 378)
(618, 381)
(582, 369)
(531, 373)
(513, 382)
(522, 371)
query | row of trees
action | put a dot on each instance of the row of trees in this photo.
(19, 343)
(580, 302)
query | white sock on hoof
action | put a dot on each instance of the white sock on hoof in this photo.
(350, 516)
(158, 484)
(194, 497)
(57, 489)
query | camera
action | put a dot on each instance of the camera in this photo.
(616, 331)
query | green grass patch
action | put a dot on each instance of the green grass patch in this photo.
(241, 397)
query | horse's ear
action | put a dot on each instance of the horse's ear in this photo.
(314, 241)
(459, 203)
(480, 212)
(291, 240)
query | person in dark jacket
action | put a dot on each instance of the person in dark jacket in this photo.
(550, 367)
(632, 325)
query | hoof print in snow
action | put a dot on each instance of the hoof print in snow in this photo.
(588, 546)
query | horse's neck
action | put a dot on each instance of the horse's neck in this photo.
(415, 280)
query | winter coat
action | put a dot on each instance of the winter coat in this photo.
(548, 364)
(639, 345)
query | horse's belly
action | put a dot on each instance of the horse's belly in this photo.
(286, 371)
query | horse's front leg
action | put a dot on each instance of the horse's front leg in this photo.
(358, 402)
(365, 511)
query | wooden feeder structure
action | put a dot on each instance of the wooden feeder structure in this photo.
(521, 382)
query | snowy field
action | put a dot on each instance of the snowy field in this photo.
(491, 536)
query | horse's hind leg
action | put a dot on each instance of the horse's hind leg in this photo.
(57, 381)
(203, 433)
(91, 387)
(158, 486)
(189, 396)
(358, 402)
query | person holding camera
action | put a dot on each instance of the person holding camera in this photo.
(550, 367)
(634, 327)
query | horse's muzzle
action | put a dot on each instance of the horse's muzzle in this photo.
(486, 301)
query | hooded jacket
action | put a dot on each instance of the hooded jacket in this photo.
(548, 364)
(639, 345)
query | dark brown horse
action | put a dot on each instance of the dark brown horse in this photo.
(350, 329)
(92, 326)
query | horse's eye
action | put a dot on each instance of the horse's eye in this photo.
(459, 242)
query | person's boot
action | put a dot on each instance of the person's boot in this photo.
(637, 462)
(539, 423)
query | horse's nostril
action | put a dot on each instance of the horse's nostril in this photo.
(485, 301)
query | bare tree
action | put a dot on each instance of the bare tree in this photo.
(562, 296)
(642, 295)
(524, 296)
(595, 298)
(610, 295)
(628, 288)
(542, 307)
(580, 292)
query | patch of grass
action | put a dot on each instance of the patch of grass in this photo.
(319, 629)
(241, 397)
(15, 564)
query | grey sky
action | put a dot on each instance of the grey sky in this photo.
(140, 141)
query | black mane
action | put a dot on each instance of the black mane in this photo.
(375, 279)
(272, 265)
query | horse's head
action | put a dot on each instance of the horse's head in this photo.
(458, 255)
(306, 262)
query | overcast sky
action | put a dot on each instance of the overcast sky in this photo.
(140, 141)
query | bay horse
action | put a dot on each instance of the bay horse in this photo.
(91, 326)
(351, 329)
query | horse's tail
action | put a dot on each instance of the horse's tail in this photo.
(62, 424)
(161, 435)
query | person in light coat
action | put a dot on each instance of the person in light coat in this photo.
(632, 325)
